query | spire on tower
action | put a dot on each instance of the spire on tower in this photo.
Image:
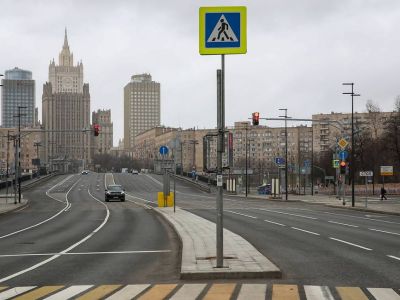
(65, 39)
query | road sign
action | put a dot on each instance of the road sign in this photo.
(342, 143)
(219, 180)
(223, 30)
(343, 155)
(386, 170)
(163, 150)
(335, 163)
(279, 161)
(366, 173)
(307, 163)
(329, 178)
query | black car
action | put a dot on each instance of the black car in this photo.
(115, 191)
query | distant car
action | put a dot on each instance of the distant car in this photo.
(85, 172)
(115, 191)
(135, 172)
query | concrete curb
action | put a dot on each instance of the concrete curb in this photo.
(15, 208)
(383, 212)
(39, 180)
(201, 187)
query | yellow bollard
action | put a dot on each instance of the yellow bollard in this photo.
(160, 199)
(170, 199)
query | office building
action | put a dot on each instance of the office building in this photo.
(104, 141)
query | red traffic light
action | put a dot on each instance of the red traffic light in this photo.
(342, 163)
(96, 129)
(256, 118)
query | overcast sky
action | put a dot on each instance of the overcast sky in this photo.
(299, 54)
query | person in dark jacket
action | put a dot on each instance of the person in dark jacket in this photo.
(383, 193)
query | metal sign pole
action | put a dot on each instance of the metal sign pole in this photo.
(366, 191)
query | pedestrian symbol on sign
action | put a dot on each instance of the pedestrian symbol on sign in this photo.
(222, 32)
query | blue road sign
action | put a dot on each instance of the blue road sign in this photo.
(279, 160)
(163, 150)
(307, 163)
(343, 155)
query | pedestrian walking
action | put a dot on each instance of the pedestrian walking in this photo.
(383, 193)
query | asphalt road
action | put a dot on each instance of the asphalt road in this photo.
(69, 235)
(312, 244)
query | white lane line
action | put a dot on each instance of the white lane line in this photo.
(344, 224)
(283, 213)
(388, 232)
(11, 293)
(314, 233)
(276, 223)
(351, 244)
(252, 291)
(394, 257)
(364, 218)
(44, 221)
(384, 293)
(85, 253)
(236, 213)
(129, 292)
(189, 291)
(318, 293)
(69, 292)
(64, 251)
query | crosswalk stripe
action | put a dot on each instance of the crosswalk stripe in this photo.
(318, 292)
(14, 291)
(99, 292)
(384, 294)
(128, 292)
(285, 292)
(189, 291)
(222, 291)
(252, 291)
(351, 293)
(158, 292)
(40, 292)
(69, 292)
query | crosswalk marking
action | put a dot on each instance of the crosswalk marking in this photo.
(318, 292)
(40, 292)
(351, 293)
(129, 292)
(189, 291)
(99, 292)
(221, 291)
(69, 292)
(14, 291)
(285, 292)
(384, 294)
(158, 292)
(252, 291)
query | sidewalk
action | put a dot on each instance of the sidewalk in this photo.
(198, 236)
(7, 204)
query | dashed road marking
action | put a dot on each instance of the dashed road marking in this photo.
(351, 244)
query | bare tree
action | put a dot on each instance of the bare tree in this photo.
(374, 117)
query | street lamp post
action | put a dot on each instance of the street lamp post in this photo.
(353, 163)
(18, 148)
(286, 152)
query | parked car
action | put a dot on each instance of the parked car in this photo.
(115, 191)
(135, 172)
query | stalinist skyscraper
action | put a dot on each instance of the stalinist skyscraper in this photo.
(66, 114)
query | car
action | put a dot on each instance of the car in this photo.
(114, 191)
(85, 172)
(135, 172)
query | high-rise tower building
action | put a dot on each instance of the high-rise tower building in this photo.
(66, 114)
(18, 90)
(104, 142)
(141, 107)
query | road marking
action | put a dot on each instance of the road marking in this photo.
(85, 253)
(296, 215)
(40, 292)
(66, 250)
(295, 228)
(99, 292)
(252, 292)
(394, 257)
(364, 218)
(318, 293)
(44, 221)
(22, 208)
(221, 291)
(285, 292)
(15, 292)
(69, 292)
(159, 291)
(384, 294)
(188, 291)
(276, 223)
(344, 224)
(348, 243)
(388, 232)
(236, 213)
(351, 293)
(128, 292)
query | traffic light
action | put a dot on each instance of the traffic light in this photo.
(96, 129)
(256, 118)
(342, 167)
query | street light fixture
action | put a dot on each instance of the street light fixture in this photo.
(353, 163)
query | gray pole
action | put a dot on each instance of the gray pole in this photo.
(312, 160)
(246, 159)
(220, 150)
(352, 146)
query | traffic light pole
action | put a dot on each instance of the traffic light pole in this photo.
(286, 154)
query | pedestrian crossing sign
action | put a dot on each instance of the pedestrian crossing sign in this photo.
(222, 30)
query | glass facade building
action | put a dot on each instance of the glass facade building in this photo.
(18, 90)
